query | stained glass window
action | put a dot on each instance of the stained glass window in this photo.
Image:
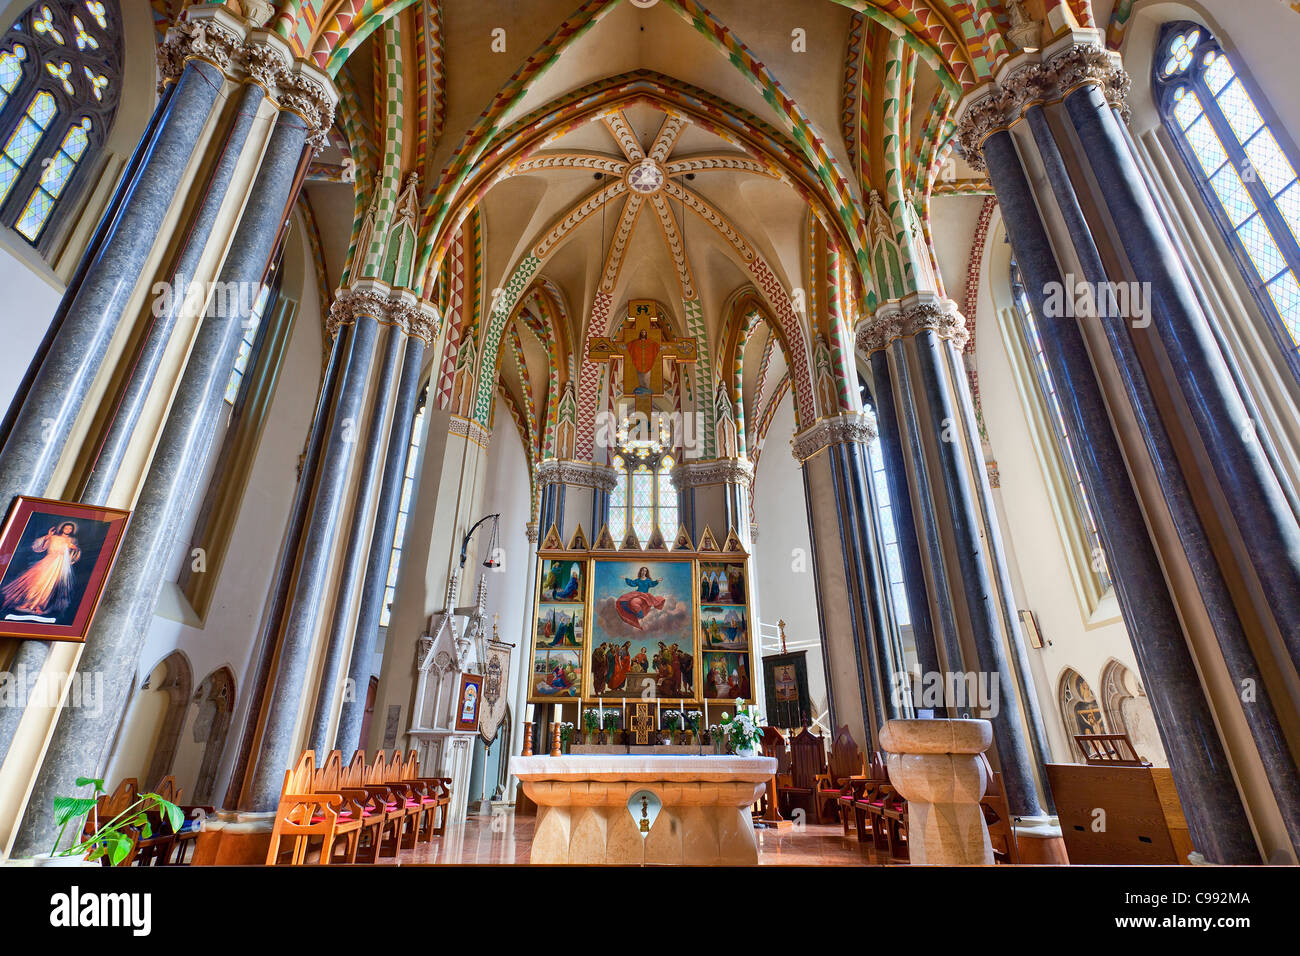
(11, 71)
(403, 513)
(618, 501)
(24, 140)
(1248, 182)
(667, 504)
(643, 497)
(643, 503)
(60, 65)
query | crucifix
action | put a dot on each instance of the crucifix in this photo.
(641, 723)
(642, 344)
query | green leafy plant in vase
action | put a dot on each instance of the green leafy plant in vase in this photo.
(672, 719)
(694, 720)
(112, 840)
(611, 724)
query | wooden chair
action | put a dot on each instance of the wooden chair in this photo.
(807, 762)
(393, 805)
(311, 820)
(1110, 750)
(766, 810)
(997, 816)
(352, 783)
(845, 764)
(887, 812)
(860, 793)
(433, 794)
(166, 847)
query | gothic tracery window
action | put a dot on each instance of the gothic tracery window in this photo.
(644, 496)
(60, 72)
(1247, 180)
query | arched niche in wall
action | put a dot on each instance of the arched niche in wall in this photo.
(174, 678)
(1127, 709)
(215, 703)
(1080, 711)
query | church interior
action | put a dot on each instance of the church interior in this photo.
(643, 432)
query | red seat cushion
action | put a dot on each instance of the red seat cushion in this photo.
(390, 807)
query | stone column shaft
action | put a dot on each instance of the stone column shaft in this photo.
(95, 307)
(381, 543)
(259, 679)
(302, 615)
(337, 640)
(900, 499)
(81, 740)
(1201, 770)
(1252, 491)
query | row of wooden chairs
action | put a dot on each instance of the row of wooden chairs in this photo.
(163, 846)
(358, 813)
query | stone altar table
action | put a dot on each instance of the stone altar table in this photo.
(583, 814)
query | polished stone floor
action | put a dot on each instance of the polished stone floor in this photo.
(505, 838)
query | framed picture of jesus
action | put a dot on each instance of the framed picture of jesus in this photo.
(54, 559)
(643, 628)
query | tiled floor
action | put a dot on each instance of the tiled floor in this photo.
(506, 839)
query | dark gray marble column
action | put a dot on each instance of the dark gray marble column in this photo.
(259, 676)
(126, 184)
(31, 655)
(371, 607)
(844, 472)
(79, 746)
(95, 307)
(334, 659)
(302, 617)
(900, 499)
(1254, 496)
(985, 616)
(148, 358)
(1216, 819)
(949, 639)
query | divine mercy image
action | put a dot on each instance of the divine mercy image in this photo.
(46, 579)
(642, 639)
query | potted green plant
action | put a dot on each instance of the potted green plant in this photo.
(591, 724)
(744, 731)
(566, 735)
(111, 840)
(716, 738)
(611, 725)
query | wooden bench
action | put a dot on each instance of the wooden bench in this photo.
(314, 819)
(860, 792)
(1119, 814)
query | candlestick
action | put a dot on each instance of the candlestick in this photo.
(528, 739)
(555, 741)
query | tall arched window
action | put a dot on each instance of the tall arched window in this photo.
(1246, 179)
(60, 72)
(404, 506)
(644, 496)
(1081, 524)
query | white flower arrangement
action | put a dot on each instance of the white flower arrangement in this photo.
(744, 730)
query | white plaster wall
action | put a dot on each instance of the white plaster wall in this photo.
(510, 587)
(783, 552)
(33, 299)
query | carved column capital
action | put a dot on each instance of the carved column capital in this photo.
(713, 471)
(851, 427)
(587, 474)
(1079, 58)
(208, 33)
(387, 306)
(903, 318)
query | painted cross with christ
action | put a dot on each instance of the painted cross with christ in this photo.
(642, 344)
